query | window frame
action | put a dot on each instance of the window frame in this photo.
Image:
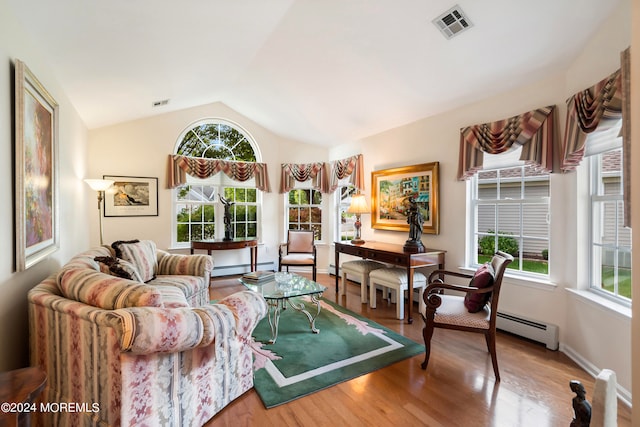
(474, 201)
(597, 201)
(219, 183)
(341, 213)
(306, 186)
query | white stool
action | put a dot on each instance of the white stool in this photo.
(396, 279)
(361, 269)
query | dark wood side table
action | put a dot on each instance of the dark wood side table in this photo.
(223, 245)
(391, 253)
(18, 391)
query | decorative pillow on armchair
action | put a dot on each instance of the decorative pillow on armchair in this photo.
(142, 254)
(483, 278)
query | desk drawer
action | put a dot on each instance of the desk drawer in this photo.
(387, 257)
(354, 250)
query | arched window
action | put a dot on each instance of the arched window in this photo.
(199, 214)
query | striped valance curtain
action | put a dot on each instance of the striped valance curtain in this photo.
(325, 176)
(302, 172)
(587, 110)
(181, 166)
(533, 130)
(351, 167)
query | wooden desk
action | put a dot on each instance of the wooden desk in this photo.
(392, 254)
(223, 245)
(18, 391)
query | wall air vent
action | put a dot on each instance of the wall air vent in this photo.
(452, 22)
(160, 103)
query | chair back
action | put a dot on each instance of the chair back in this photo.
(300, 241)
(499, 262)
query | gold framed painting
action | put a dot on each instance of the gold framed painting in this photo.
(391, 190)
(36, 170)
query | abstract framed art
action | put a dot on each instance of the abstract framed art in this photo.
(131, 196)
(391, 189)
(36, 170)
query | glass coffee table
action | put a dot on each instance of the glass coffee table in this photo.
(278, 295)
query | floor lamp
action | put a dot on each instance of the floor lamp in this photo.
(358, 206)
(99, 185)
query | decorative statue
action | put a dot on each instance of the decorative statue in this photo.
(228, 228)
(415, 221)
(581, 407)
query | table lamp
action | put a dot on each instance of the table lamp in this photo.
(358, 206)
(99, 185)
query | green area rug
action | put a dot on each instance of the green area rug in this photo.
(301, 362)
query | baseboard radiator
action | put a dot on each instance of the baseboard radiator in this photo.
(545, 333)
(226, 270)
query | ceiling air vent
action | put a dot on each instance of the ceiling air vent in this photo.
(452, 22)
(160, 103)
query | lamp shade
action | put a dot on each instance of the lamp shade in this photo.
(358, 204)
(99, 184)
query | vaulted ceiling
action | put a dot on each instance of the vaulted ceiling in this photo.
(319, 71)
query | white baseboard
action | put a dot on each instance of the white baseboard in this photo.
(228, 270)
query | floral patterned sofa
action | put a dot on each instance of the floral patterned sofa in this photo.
(129, 351)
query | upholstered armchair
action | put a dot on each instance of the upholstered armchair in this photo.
(300, 250)
(475, 311)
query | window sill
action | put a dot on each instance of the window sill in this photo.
(600, 302)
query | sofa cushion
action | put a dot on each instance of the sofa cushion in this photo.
(192, 287)
(118, 267)
(142, 254)
(105, 291)
(482, 278)
(172, 297)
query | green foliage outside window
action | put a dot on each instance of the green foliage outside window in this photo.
(305, 212)
(486, 244)
(217, 141)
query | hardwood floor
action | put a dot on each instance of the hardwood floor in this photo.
(457, 389)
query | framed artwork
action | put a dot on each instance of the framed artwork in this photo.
(391, 190)
(131, 196)
(36, 170)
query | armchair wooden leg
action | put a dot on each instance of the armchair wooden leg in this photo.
(427, 333)
(491, 346)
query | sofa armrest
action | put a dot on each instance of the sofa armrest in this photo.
(248, 307)
(148, 330)
(188, 265)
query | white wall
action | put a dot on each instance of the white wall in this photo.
(141, 148)
(15, 44)
(595, 337)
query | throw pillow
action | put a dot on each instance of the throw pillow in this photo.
(118, 267)
(482, 278)
(142, 254)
